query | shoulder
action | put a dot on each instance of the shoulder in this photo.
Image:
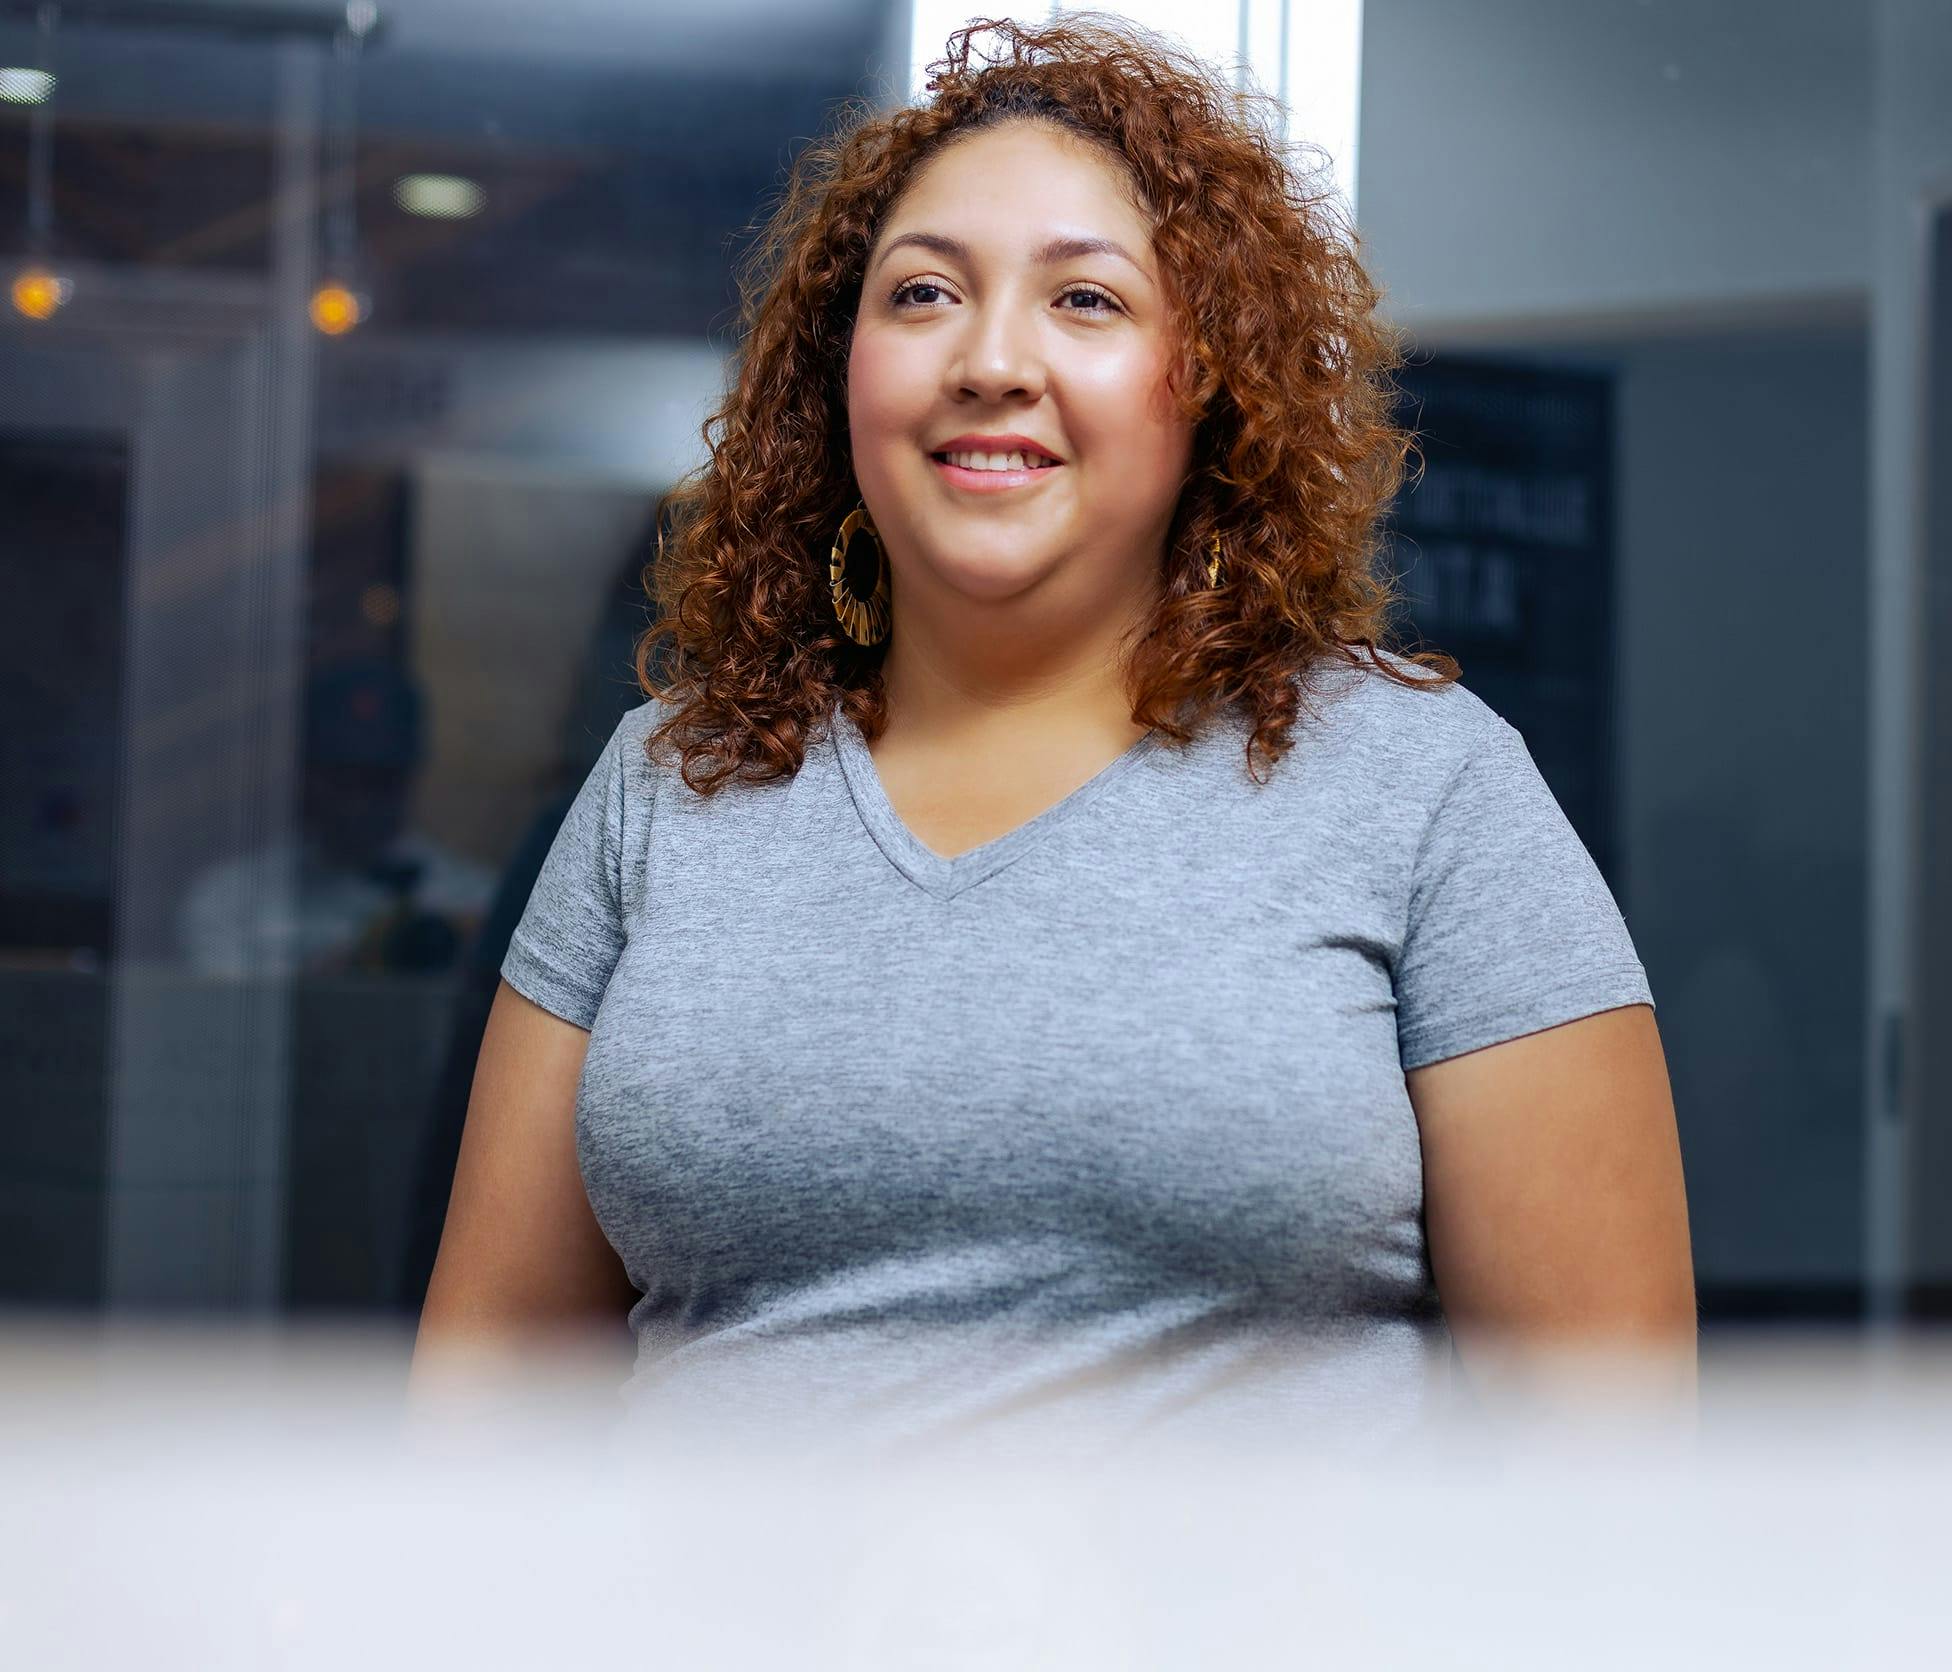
(631, 741)
(641, 721)
(1413, 733)
(647, 760)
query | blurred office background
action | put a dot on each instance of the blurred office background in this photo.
(346, 349)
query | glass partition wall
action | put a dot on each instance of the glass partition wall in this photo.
(348, 349)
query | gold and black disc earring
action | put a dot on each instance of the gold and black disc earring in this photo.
(865, 620)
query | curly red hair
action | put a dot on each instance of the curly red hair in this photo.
(1279, 357)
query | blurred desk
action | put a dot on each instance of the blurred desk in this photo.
(199, 1501)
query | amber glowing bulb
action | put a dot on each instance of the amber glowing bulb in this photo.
(37, 293)
(336, 309)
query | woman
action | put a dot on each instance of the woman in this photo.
(1028, 962)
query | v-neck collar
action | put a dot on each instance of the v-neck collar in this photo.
(922, 865)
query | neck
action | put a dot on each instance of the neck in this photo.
(972, 672)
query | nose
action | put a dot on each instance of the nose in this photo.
(997, 358)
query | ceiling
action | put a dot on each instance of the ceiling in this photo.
(567, 69)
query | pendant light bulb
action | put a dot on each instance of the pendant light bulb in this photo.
(337, 308)
(38, 293)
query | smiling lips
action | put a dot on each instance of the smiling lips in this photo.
(990, 464)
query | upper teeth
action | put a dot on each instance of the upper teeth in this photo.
(998, 461)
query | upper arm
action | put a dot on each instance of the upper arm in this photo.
(1553, 1197)
(521, 1249)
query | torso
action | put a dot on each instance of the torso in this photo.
(1108, 1121)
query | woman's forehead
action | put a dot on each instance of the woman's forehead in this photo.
(1020, 188)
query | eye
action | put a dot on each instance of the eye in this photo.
(908, 287)
(1095, 294)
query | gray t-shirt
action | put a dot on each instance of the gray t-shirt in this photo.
(1097, 1131)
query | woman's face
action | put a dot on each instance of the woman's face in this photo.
(1012, 303)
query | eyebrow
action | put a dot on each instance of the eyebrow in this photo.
(1053, 250)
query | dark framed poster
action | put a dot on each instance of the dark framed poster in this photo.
(1502, 547)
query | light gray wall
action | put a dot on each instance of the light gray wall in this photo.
(1527, 158)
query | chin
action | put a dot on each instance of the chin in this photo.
(992, 568)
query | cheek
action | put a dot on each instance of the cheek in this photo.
(883, 392)
(1121, 405)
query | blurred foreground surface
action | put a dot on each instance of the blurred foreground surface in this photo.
(215, 1498)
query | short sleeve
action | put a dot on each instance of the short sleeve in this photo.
(571, 933)
(1511, 928)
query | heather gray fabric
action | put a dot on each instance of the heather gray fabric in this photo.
(1096, 1132)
